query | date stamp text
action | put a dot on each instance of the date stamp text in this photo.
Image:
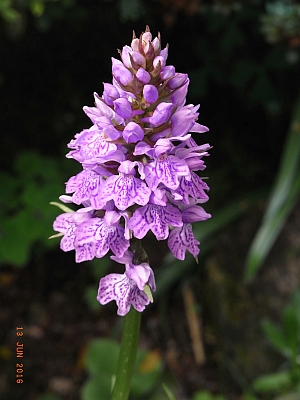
(19, 354)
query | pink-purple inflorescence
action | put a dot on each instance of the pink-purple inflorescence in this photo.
(139, 172)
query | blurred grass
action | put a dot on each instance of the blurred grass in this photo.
(173, 270)
(284, 194)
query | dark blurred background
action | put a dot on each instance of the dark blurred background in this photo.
(243, 62)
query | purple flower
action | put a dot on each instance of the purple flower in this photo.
(85, 186)
(101, 110)
(133, 133)
(124, 291)
(159, 62)
(138, 172)
(161, 114)
(166, 170)
(183, 120)
(121, 73)
(178, 96)
(125, 189)
(193, 213)
(163, 146)
(131, 58)
(110, 93)
(68, 224)
(178, 81)
(91, 144)
(123, 108)
(150, 94)
(141, 276)
(193, 156)
(167, 72)
(64, 223)
(154, 217)
(164, 53)
(104, 233)
(127, 289)
(195, 188)
(143, 75)
(182, 239)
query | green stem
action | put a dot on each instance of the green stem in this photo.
(127, 356)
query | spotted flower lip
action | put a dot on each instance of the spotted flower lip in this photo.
(127, 289)
(140, 172)
(156, 218)
(182, 239)
(85, 186)
(125, 189)
(104, 233)
(165, 170)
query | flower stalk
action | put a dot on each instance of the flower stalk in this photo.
(127, 356)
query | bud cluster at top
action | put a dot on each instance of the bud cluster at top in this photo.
(139, 172)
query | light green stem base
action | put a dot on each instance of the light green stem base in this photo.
(127, 356)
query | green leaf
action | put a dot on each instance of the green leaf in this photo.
(273, 383)
(63, 207)
(96, 388)
(274, 335)
(101, 362)
(100, 267)
(17, 234)
(284, 195)
(288, 396)
(291, 330)
(5, 4)
(295, 303)
(11, 15)
(249, 396)
(147, 374)
(168, 392)
(148, 293)
(269, 231)
(90, 295)
(37, 7)
(26, 216)
(203, 395)
(102, 357)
